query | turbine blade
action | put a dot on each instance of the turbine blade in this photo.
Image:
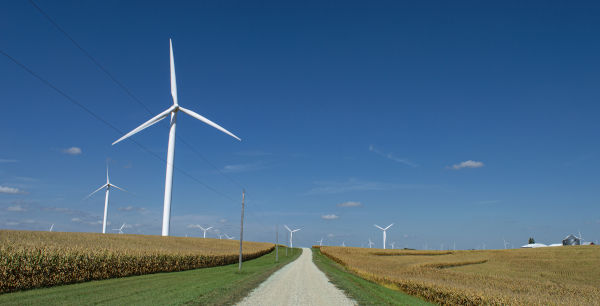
(209, 228)
(205, 120)
(389, 226)
(113, 185)
(173, 80)
(287, 228)
(96, 191)
(148, 123)
(379, 227)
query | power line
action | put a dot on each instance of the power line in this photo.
(126, 90)
(96, 116)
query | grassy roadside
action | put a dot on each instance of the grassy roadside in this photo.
(209, 286)
(362, 291)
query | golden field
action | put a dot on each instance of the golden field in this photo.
(542, 276)
(31, 259)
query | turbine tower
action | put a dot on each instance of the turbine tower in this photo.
(320, 241)
(173, 110)
(204, 229)
(384, 230)
(108, 185)
(119, 229)
(291, 235)
(51, 227)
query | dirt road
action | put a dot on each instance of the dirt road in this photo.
(298, 283)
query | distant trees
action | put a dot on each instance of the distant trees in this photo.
(531, 240)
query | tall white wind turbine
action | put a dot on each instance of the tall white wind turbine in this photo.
(204, 229)
(106, 186)
(320, 242)
(384, 231)
(291, 235)
(173, 110)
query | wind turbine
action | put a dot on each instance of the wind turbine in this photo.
(320, 241)
(291, 235)
(108, 185)
(370, 243)
(230, 238)
(505, 243)
(173, 110)
(344, 243)
(119, 229)
(51, 227)
(392, 244)
(384, 230)
(204, 230)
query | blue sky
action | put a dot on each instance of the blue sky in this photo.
(464, 123)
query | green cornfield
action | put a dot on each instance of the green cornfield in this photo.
(30, 259)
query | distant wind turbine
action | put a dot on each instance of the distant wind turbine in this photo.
(344, 243)
(230, 238)
(204, 229)
(173, 110)
(392, 244)
(320, 242)
(120, 229)
(108, 185)
(384, 231)
(291, 235)
(51, 227)
(370, 243)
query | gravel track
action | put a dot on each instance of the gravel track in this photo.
(298, 283)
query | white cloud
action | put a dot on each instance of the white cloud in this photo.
(356, 185)
(350, 204)
(468, 164)
(392, 157)
(10, 190)
(330, 217)
(12, 223)
(72, 151)
(330, 235)
(131, 208)
(17, 208)
(3, 160)
(242, 167)
(78, 220)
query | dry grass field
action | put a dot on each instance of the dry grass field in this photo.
(543, 276)
(31, 259)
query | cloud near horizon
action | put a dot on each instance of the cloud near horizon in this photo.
(72, 151)
(350, 204)
(10, 190)
(330, 217)
(468, 164)
(391, 157)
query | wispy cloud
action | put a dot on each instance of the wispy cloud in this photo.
(16, 208)
(242, 167)
(131, 208)
(467, 164)
(350, 204)
(10, 190)
(392, 157)
(3, 160)
(330, 217)
(329, 187)
(72, 151)
(330, 235)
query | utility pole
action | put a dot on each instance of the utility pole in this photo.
(287, 247)
(242, 229)
(277, 243)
